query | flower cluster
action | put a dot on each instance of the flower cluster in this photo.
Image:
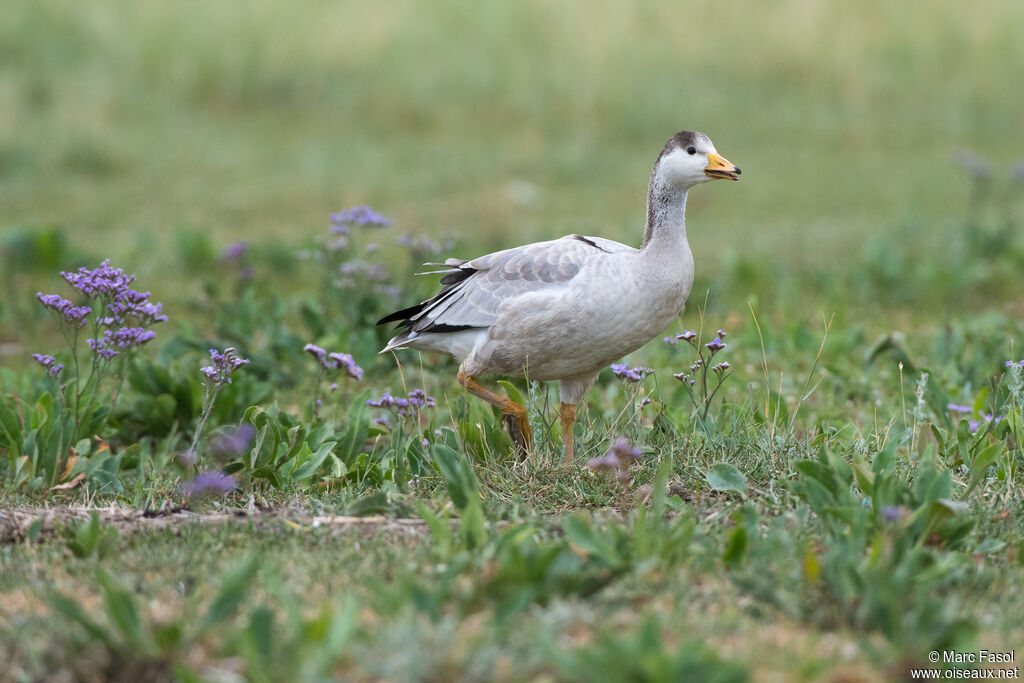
(974, 425)
(224, 364)
(628, 374)
(421, 246)
(686, 336)
(105, 282)
(1012, 363)
(335, 360)
(209, 482)
(696, 379)
(234, 251)
(358, 268)
(357, 215)
(403, 407)
(621, 454)
(68, 312)
(986, 418)
(119, 314)
(234, 440)
(49, 363)
(114, 342)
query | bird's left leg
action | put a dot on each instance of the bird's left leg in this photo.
(567, 418)
(512, 414)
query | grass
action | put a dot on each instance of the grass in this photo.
(830, 519)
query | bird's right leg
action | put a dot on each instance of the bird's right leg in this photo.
(567, 418)
(512, 414)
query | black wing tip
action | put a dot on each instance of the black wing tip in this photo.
(456, 277)
(406, 318)
(402, 315)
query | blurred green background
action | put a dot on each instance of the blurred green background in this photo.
(500, 122)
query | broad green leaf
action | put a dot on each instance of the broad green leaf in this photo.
(982, 461)
(724, 477)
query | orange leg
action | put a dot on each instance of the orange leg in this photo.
(512, 414)
(566, 418)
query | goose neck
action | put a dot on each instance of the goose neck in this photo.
(666, 217)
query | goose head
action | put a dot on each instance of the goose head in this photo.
(690, 158)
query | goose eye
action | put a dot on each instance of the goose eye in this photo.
(691, 150)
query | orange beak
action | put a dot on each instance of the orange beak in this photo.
(720, 167)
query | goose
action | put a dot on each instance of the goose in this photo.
(566, 308)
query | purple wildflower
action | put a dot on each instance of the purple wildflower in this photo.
(68, 312)
(688, 335)
(209, 482)
(974, 165)
(721, 367)
(335, 361)
(1009, 363)
(49, 363)
(224, 364)
(420, 398)
(891, 513)
(624, 372)
(344, 361)
(359, 215)
(672, 341)
(53, 301)
(715, 345)
(419, 246)
(619, 457)
(375, 272)
(234, 440)
(235, 251)
(114, 342)
(383, 421)
(954, 408)
(604, 462)
(645, 401)
(100, 348)
(417, 399)
(624, 452)
(986, 418)
(317, 352)
(685, 378)
(104, 282)
(721, 334)
(129, 303)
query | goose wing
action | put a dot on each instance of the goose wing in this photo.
(473, 291)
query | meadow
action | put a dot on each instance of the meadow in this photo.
(301, 508)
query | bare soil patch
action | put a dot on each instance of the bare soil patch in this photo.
(16, 522)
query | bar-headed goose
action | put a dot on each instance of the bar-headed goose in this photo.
(565, 309)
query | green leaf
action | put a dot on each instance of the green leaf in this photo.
(457, 472)
(736, 549)
(73, 611)
(724, 477)
(309, 468)
(472, 527)
(120, 607)
(982, 461)
(661, 486)
(358, 430)
(512, 392)
(232, 591)
(585, 537)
